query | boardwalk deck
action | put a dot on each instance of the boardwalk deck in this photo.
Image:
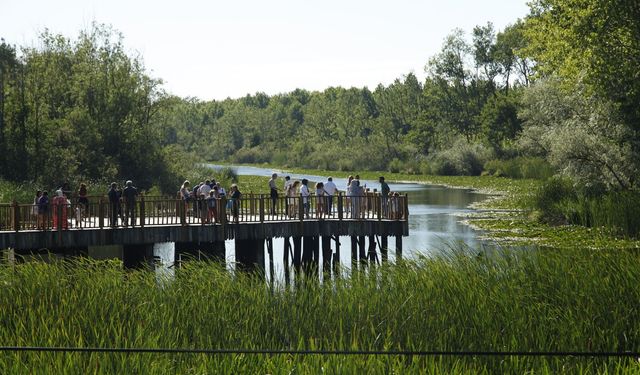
(170, 220)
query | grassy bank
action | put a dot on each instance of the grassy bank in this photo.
(549, 301)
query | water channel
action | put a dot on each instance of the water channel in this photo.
(435, 218)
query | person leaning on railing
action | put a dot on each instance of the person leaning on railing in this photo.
(394, 203)
(114, 203)
(43, 210)
(60, 204)
(83, 201)
(384, 196)
(331, 190)
(185, 194)
(212, 205)
(234, 197)
(34, 208)
(292, 199)
(273, 193)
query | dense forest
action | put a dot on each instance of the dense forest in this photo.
(556, 92)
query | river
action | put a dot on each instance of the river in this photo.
(435, 214)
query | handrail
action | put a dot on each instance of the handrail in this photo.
(155, 211)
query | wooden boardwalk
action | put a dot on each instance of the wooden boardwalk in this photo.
(157, 220)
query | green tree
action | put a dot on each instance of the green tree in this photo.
(500, 122)
(594, 41)
(580, 134)
(508, 52)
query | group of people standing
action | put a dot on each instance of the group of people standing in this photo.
(324, 194)
(204, 198)
(57, 207)
(119, 197)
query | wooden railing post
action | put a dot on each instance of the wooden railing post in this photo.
(406, 207)
(101, 213)
(142, 213)
(340, 206)
(59, 215)
(262, 208)
(379, 206)
(182, 204)
(16, 216)
(223, 210)
(301, 208)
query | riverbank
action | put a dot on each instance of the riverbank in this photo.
(505, 216)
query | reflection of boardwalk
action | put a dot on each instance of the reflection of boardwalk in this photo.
(164, 220)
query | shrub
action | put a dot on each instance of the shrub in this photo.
(395, 166)
(520, 167)
(251, 156)
(462, 159)
(550, 198)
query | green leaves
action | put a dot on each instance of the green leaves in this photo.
(78, 110)
(592, 41)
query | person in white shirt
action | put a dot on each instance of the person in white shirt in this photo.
(304, 192)
(204, 190)
(203, 193)
(221, 190)
(330, 189)
(287, 184)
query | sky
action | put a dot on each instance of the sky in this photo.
(218, 49)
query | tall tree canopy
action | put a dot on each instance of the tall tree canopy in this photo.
(81, 108)
(597, 41)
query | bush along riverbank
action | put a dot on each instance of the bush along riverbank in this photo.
(573, 300)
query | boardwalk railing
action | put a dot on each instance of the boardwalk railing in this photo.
(154, 211)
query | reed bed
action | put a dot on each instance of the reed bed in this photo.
(506, 301)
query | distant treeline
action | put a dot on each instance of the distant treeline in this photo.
(470, 99)
(543, 94)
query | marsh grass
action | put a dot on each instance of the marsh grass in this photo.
(558, 201)
(544, 300)
(617, 211)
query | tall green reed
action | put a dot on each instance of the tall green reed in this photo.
(507, 301)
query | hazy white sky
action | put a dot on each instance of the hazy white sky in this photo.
(218, 49)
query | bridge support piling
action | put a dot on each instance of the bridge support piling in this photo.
(326, 255)
(316, 252)
(372, 255)
(250, 254)
(137, 256)
(336, 256)
(270, 252)
(297, 253)
(354, 252)
(362, 250)
(384, 250)
(310, 254)
(285, 259)
(398, 247)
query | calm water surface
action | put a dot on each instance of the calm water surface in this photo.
(435, 215)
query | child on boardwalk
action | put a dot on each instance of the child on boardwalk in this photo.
(212, 205)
